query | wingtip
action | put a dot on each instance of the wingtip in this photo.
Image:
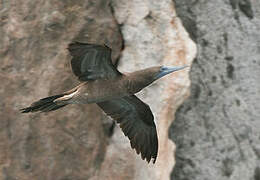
(154, 159)
(24, 110)
(73, 43)
(77, 43)
(148, 159)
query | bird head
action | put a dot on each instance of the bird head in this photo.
(141, 79)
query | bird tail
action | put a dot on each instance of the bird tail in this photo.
(45, 105)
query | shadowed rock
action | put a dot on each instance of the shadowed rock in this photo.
(113, 92)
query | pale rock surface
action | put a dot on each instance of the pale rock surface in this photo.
(153, 35)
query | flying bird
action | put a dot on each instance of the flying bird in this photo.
(113, 92)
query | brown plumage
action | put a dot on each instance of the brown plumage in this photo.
(113, 92)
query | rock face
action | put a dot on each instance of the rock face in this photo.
(78, 142)
(70, 143)
(216, 130)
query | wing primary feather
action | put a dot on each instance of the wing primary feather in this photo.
(92, 61)
(137, 123)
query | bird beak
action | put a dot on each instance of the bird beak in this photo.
(167, 70)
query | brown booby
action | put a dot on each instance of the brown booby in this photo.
(113, 92)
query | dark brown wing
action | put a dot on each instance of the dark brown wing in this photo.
(137, 122)
(90, 61)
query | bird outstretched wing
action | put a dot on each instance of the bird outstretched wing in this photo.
(91, 61)
(137, 122)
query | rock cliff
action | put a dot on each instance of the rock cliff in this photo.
(216, 130)
(79, 142)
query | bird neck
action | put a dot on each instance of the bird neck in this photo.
(136, 83)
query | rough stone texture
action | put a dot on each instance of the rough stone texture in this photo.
(69, 143)
(77, 142)
(216, 130)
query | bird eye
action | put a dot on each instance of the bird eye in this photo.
(163, 68)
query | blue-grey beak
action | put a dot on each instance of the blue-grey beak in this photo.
(167, 70)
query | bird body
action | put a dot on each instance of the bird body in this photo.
(113, 92)
(105, 89)
(96, 91)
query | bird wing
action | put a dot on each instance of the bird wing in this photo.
(91, 61)
(137, 122)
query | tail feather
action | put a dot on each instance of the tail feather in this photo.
(45, 105)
